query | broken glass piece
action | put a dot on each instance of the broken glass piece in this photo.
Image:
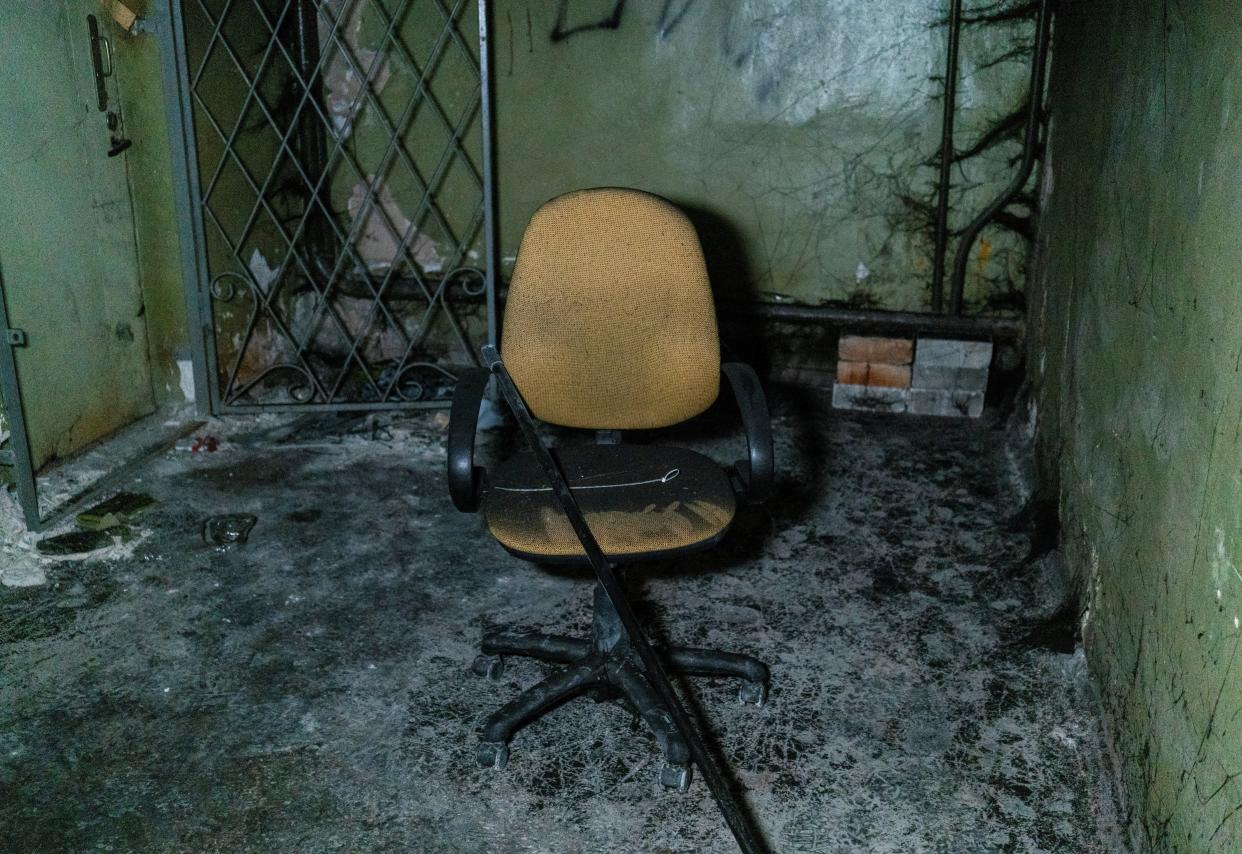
(228, 529)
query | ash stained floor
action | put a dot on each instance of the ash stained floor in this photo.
(309, 691)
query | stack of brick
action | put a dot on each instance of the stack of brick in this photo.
(936, 377)
(950, 377)
(873, 373)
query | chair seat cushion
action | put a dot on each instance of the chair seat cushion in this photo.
(639, 501)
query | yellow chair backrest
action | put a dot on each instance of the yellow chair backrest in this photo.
(609, 323)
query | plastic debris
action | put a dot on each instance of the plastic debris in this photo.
(206, 443)
(228, 530)
(119, 510)
(75, 543)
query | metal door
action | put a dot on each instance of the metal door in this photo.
(73, 359)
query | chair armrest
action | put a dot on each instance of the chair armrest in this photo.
(465, 479)
(755, 472)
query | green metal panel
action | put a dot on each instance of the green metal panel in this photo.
(66, 237)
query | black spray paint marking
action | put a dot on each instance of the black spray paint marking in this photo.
(560, 32)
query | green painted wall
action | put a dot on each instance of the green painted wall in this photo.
(1137, 366)
(801, 134)
(149, 170)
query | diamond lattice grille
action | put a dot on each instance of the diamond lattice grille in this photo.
(341, 194)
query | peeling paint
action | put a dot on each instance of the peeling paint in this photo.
(344, 85)
(261, 272)
(386, 236)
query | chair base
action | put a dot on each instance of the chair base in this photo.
(607, 668)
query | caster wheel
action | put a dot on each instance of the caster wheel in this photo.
(492, 754)
(490, 666)
(675, 777)
(753, 693)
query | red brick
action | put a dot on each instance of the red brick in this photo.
(863, 373)
(876, 351)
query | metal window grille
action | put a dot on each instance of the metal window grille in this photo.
(336, 186)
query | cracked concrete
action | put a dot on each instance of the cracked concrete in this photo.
(310, 690)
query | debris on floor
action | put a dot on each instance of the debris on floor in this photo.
(319, 676)
(124, 508)
(75, 543)
(229, 529)
(101, 526)
(205, 444)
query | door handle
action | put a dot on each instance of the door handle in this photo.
(101, 47)
(99, 44)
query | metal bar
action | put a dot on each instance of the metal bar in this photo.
(946, 155)
(394, 147)
(254, 408)
(170, 29)
(489, 175)
(312, 140)
(101, 87)
(855, 318)
(730, 807)
(1030, 146)
(893, 321)
(230, 390)
(11, 391)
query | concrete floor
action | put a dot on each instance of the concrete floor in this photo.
(309, 690)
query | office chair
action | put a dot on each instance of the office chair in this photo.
(609, 326)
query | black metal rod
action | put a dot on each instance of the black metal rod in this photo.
(311, 140)
(1030, 148)
(875, 320)
(946, 155)
(747, 839)
(19, 439)
(101, 87)
(860, 319)
(490, 243)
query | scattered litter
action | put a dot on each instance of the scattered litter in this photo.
(117, 511)
(99, 527)
(75, 543)
(229, 529)
(205, 444)
(379, 432)
(411, 385)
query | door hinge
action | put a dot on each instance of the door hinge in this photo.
(15, 337)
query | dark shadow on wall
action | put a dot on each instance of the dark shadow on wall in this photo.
(732, 275)
(746, 337)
